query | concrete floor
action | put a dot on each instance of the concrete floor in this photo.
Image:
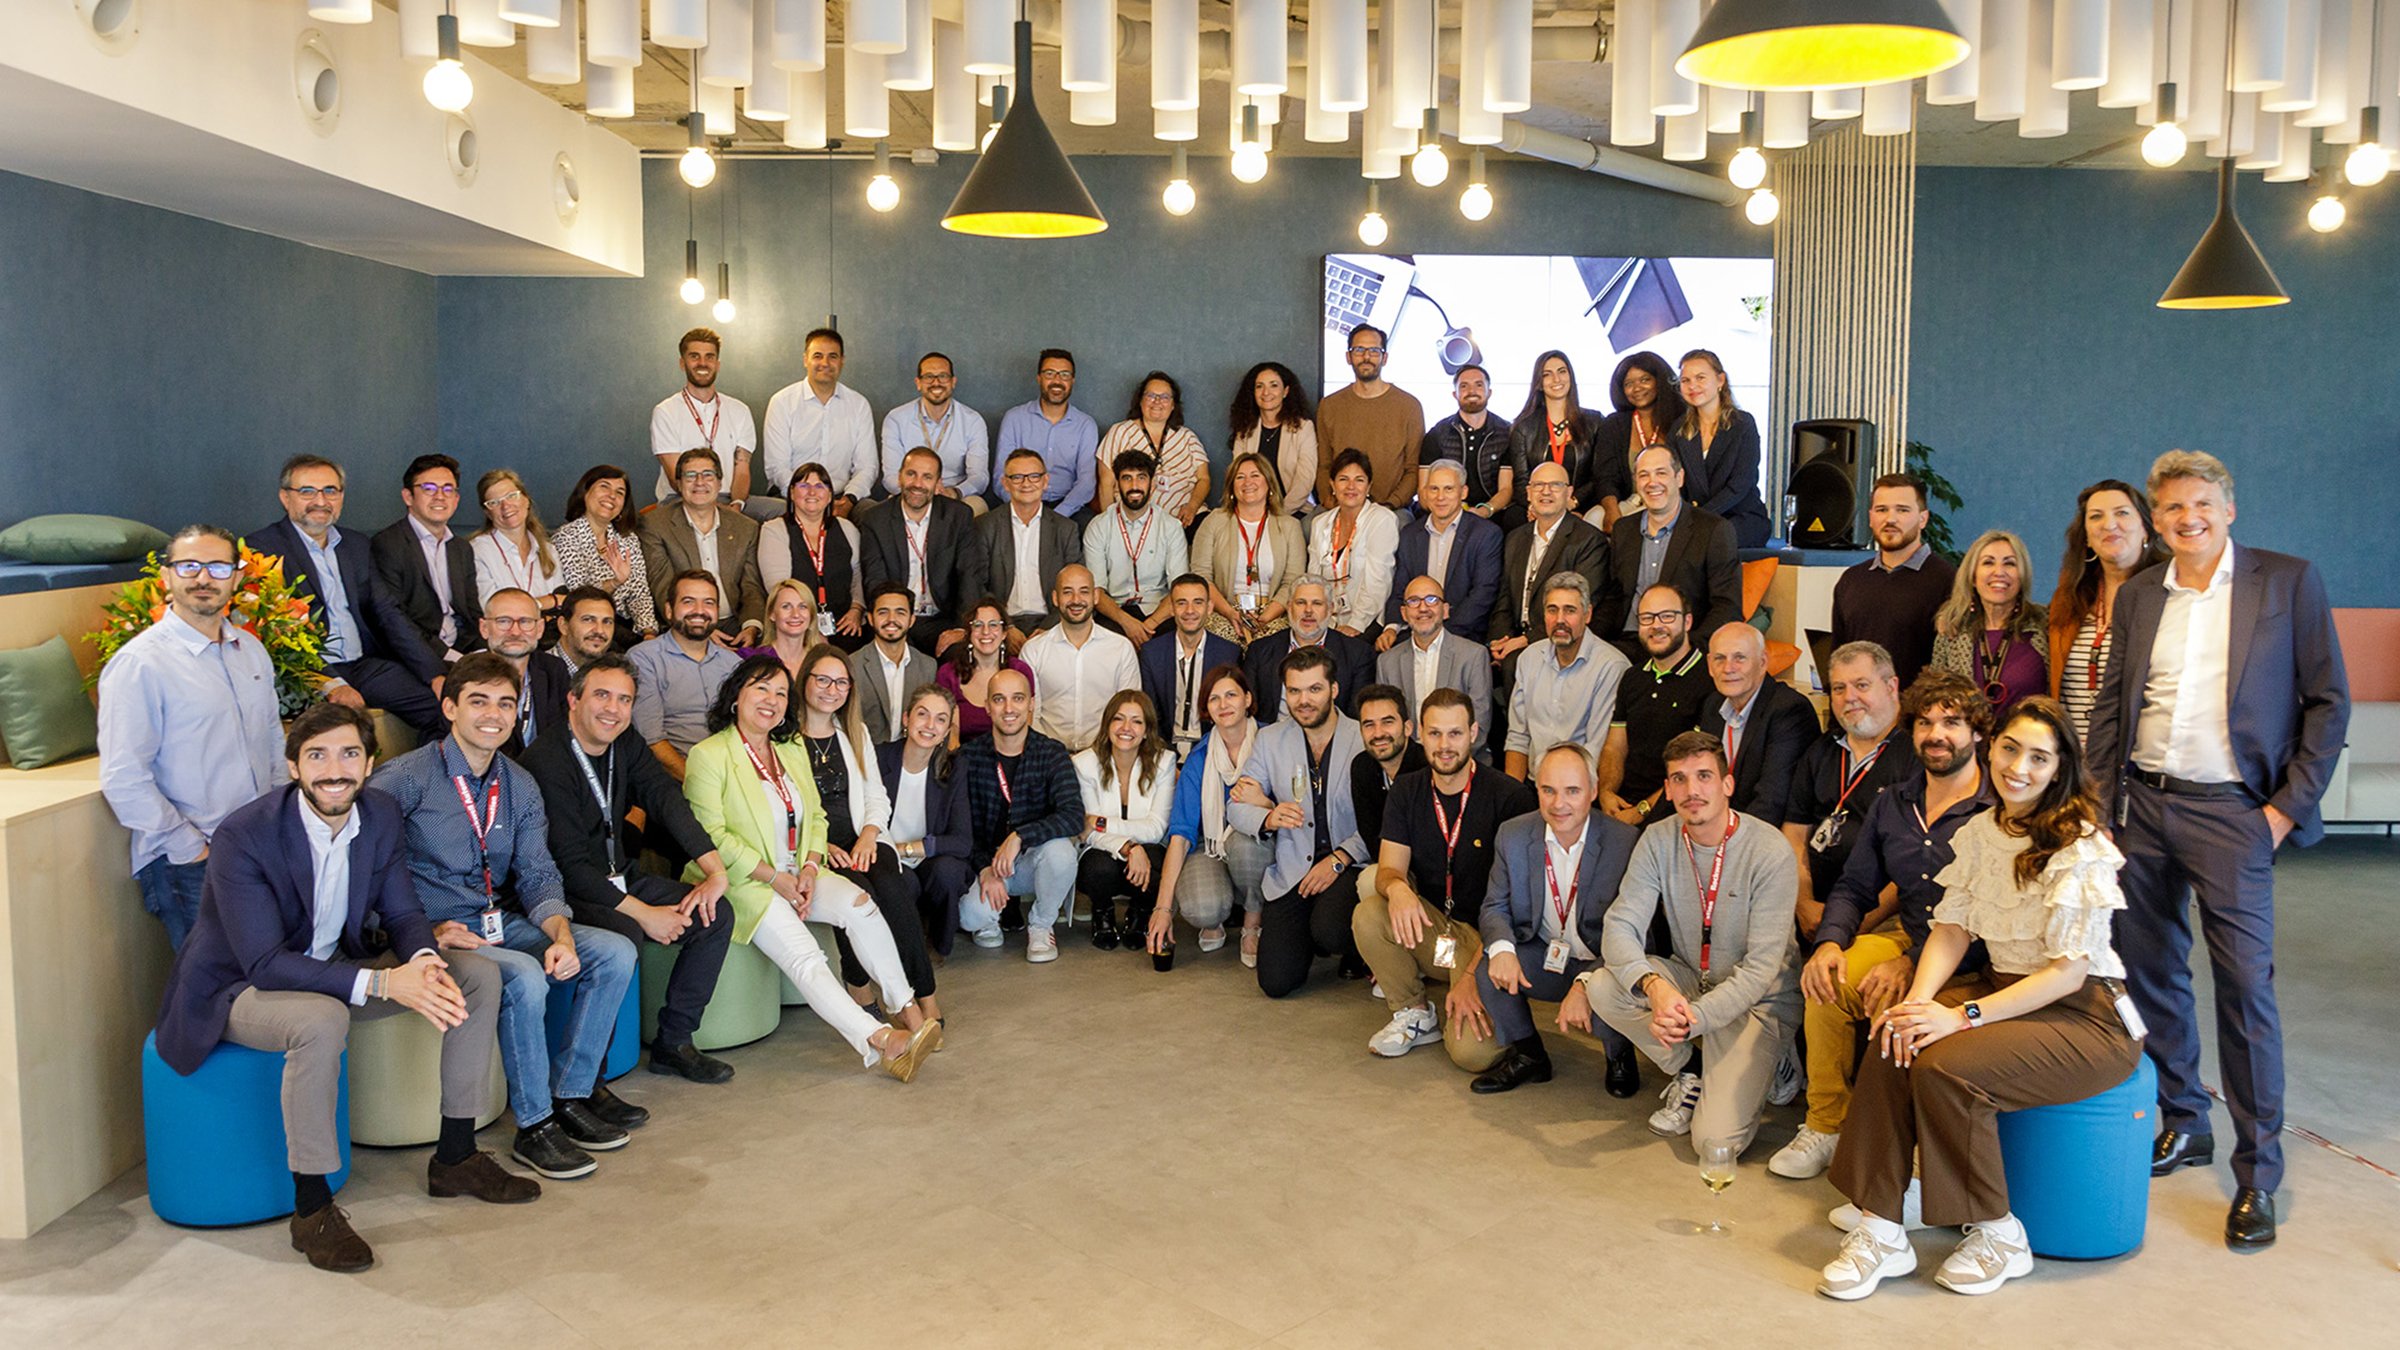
(1109, 1157)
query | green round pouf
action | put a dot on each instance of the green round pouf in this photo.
(396, 1083)
(745, 1007)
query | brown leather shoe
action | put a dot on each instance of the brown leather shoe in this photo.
(482, 1177)
(329, 1243)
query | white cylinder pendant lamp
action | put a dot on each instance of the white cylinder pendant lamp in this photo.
(1836, 105)
(1342, 50)
(612, 33)
(989, 35)
(2265, 146)
(679, 23)
(2298, 92)
(1092, 107)
(910, 69)
(2200, 86)
(1672, 95)
(1410, 24)
(2000, 81)
(2045, 112)
(797, 34)
(1686, 138)
(1087, 46)
(2079, 34)
(716, 109)
(2298, 146)
(1478, 124)
(874, 27)
(536, 13)
(1957, 85)
(1783, 121)
(607, 90)
(1726, 108)
(1177, 125)
(554, 55)
(2133, 64)
(342, 11)
(2240, 138)
(866, 103)
(417, 39)
(1379, 147)
(726, 59)
(953, 89)
(2258, 36)
(1508, 57)
(480, 24)
(1890, 109)
(806, 129)
(1261, 51)
(1630, 121)
(1175, 54)
(2337, 43)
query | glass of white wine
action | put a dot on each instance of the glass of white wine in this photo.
(1716, 1172)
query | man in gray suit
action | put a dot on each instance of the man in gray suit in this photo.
(1727, 987)
(1451, 662)
(2219, 720)
(1295, 792)
(883, 671)
(696, 535)
(1015, 552)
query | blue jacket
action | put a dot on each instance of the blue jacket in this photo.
(949, 829)
(1471, 582)
(384, 628)
(1157, 657)
(1724, 482)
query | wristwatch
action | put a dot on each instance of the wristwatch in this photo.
(1974, 1012)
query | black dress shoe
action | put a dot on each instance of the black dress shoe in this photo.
(1104, 930)
(1624, 1074)
(2176, 1149)
(616, 1110)
(584, 1127)
(546, 1149)
(689, 1061)
(1355, 968)
(2250, 1224)
(1515, 1069)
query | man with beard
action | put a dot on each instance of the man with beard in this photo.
(1065, 436)
(1658, 700)
(1077, 664)
(818, 419)
(428, 567)
(1434, 657)
(695, 536)
(188, 727)
(1890, 599)
(587, 627)
(512, 624)
(883, 671)
(1134, 552)
(291, 979)
(591, 774)
(1865, 751)
(698, 417)
(1433, 868)
(1312, 626)
(1565, 690)
(1174, 662)
(1381, 421)
(915, 542)
(1477, 438)
(679, 672)
(951, 430)
(1013, 549)
(1026, 807)
(1295, 789)
(1762, 723)
(1391, 750)
(1854, 971)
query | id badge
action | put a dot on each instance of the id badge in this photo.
(617, 879)
(825, 622)
(1828, 832)
(1555, 960)
(1445, 952)
(1247, 601)
(1341, 604)
(924, 606)
(489, 927)
(2130, 1015)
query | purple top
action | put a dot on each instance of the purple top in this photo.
(973, 721)
(2024, 671)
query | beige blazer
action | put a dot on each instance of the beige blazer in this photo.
(1295, 461)
(1217, 555)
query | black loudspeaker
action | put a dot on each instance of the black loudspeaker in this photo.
(1831, 487)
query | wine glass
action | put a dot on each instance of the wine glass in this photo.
(1716, 1172)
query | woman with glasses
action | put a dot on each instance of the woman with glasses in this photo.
(749, 786)
(593, 550)
(1352, 545)
(819, 550)
(1988, 631)
(512, 549)
(931, 828)
(1553, 425)
(1270, 419)
(1250, 554)
(791, 625)
(1154, 424)
(966, 673)
(1211, 867)
(1128, 783)
(1718, 443)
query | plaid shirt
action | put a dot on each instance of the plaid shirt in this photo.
(1044, 801)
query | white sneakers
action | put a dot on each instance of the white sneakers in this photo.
(987, 938)
(1912, 1211)
(1808, 1155)
(1408, 1029)
(1867, 1259)
(1041, 945)
(1681, 1097)
(1993, 1254)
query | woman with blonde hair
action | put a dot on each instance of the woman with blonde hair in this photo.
(1250, 553)
(1987, 630)
(1719, 446)
(792, 626)
(512, 550)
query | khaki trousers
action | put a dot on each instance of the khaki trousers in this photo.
(1402, 971)
(1735, 1071)
(1833, 1027)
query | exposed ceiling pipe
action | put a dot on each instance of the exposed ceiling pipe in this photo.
(1576, 153)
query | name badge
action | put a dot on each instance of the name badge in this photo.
(825, 622)
(1247, 601)
(924, 606)
(1828, 831)
(617, 879)
(2130, 1016)
(1445, 952)
(1341, 603)
(489, 926)
(1555, 960)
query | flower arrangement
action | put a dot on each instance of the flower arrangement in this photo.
(265, 606)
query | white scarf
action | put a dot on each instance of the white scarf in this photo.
(1216, 781)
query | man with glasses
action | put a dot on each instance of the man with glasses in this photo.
(937, 422)
(1065, 436)
(1658, 700)
(1461, 551)
(696, 536)
(822, 420)
(917, 541)
(188, 727)
(1477, 438)
(429, 567)
(1434, 658)
(698, 417)
(1015, 551)
(512, 628)
(1311, 626)
(1381, 421)
(374, 657)
(1552, 540)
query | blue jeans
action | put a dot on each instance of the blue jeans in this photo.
(1046, 872)
(533, 1081)
(171, 891)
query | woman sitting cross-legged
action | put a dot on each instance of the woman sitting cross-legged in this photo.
(749, 787)
(2035, 881)
(1128, 783)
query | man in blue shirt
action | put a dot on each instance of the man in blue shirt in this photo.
(478, 848)
(1066, 437)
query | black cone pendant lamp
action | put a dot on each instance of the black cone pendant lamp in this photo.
(1023, 187)
(1821, 44)
(2225, 270)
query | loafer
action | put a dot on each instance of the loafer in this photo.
(2176, 1149)
(1515, 1069)
(546, 1149)
(481, 1177)
(2250, 1224)
(1624, 1073)
(329, 1243)
(615, 1109)
(1104, 931)
(689, 1061)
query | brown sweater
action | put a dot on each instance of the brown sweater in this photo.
(1388, 429)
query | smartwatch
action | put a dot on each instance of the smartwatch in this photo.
(1974, 1012)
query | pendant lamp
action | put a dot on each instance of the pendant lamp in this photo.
(2225, 270)
(1023, 186)
(1820, 44)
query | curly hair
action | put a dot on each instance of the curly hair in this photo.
(2068, 808)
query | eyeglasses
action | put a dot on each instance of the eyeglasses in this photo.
(1659, 617)
(830, 681)
(811, 485)
(438, 489)
(1158, 398)
(1033, 477)
(1366, 351)
(189, 568)
(314, 493)
(1055, 374)
(514, 621)
(980, 625)
(700, 476)
(1422, 601)
(504, 499)
(937, 379)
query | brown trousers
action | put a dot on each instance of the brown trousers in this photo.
(1943, 1111)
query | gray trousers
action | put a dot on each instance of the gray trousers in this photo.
(1739, 1065)
(1207, 888)
(310, 1031)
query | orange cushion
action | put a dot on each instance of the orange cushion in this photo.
(2370, 646)
(1781, 657)
(1757, 575)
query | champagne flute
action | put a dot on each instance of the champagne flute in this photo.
(1716, 1172)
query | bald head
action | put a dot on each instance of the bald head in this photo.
(1548, 492)
(1075, 595)
(1009, 699)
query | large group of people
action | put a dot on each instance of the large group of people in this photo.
(1473, 713)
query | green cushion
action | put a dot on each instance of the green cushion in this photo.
(81, 539)
(44, 714)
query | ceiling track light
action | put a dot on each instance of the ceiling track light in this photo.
(691, 290)
(448, 87)
(1476, 202)
(698, 167)
(1179, 197)
(1372, 228)
(2163, 147)
(1430, 167)
(883, 192)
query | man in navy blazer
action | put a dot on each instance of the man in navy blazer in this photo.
(918, 540)
(1311, 626)
(1183, 651)
(374, 656)
(308, 923)
(1470, 574)
(2221, 715)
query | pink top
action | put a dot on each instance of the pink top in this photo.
(973, 721)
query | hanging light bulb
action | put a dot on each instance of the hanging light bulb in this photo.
(882, 192)
(698, 167)
(1747, 169)
(1250, 156)
(2367, 164)
(448, 86)
(722, 311)
(1179, 197)
(1763, 207)
(2326, 214)
(2163, 148)
(1476, 202)
(691, 290)
(1372, 230)
(1430, 167)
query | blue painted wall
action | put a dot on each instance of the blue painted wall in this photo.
(159, 366)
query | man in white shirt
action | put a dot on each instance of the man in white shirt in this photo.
(1133, 554)
(818, 420)
(697, 417)
(1566, 689)
(953, 431)
(1077, 665)
(1177, 659)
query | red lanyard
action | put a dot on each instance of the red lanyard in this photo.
(775, 779)
(1250, 545)
(916, 547)
(482, 826)
(1643, 437)
(1340, 540)
(1133, 548)
(2098, 651)
(816, 556)
(1550, 874)
(1006, 797)
(1708, 891)
(1441, 820)
(1852, 778)
(716, 414)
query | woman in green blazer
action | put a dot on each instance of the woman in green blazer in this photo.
(749, 787)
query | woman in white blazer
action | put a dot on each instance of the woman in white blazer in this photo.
(858, 810)
(1352, 544)
(1270, 418)
(1128, 782)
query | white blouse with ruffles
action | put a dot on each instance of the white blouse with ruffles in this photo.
(2064, 913)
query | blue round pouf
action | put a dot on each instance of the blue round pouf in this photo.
(215, 1139)
(625, 1042)
(2079, 1172)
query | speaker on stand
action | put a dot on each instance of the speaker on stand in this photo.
(1826, 499)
